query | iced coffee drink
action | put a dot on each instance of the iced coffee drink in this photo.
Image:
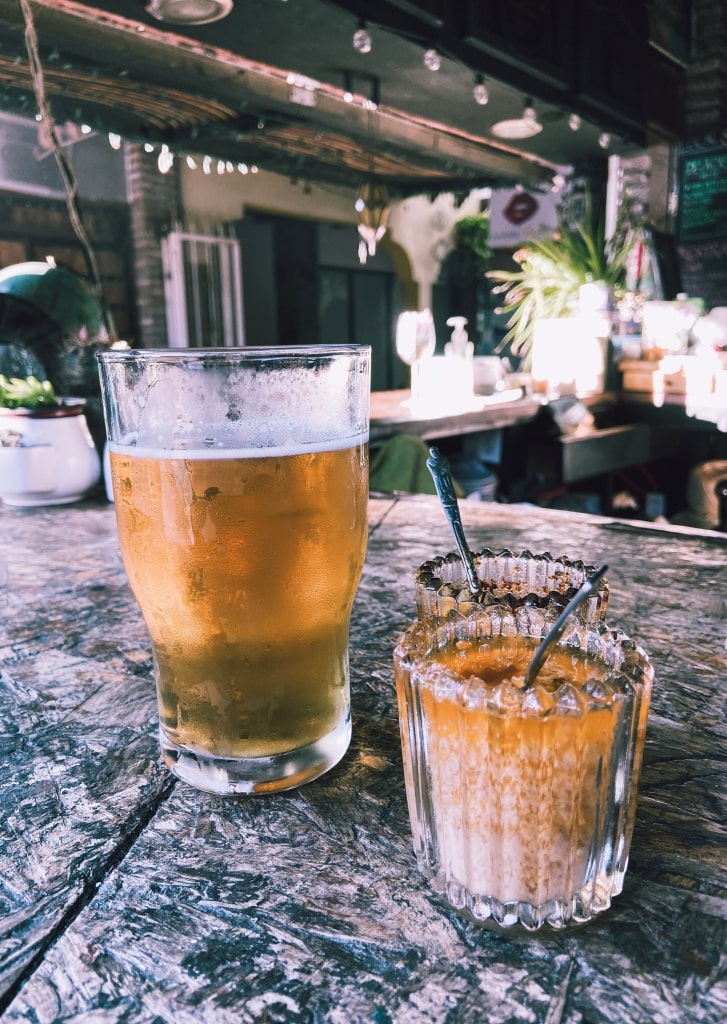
(521, 799)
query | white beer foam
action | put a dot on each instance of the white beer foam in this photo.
(143, 451)
(245, 409)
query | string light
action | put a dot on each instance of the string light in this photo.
(362, 39)
(165, 160)
(432, 60)
(347, 87)
(480, 93)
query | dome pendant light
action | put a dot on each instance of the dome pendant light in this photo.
(189, 12)
(523, 127)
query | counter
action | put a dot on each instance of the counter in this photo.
(129, 897)
(391, 414)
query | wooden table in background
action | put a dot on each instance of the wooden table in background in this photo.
(128, 897)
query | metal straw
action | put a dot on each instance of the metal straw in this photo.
(439, 468)
(541, 655)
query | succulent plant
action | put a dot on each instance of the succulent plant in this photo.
(27, 393)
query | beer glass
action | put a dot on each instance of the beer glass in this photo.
(240, 481)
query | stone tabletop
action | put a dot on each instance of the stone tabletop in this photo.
(128, 897)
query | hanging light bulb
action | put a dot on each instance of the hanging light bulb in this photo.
(529, 115)
(207, 165)
(574, 122)
(362, 39)
(191, 163)
(604, 140)
(372, 207)
(480, 93)
(114, 140)
(432, 60)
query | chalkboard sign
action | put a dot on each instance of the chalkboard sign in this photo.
(663, 264)
(704, 270)
(702, 194)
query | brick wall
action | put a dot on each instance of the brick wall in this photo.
(154, 207)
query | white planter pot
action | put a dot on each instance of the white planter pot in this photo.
(568, 357)
(56, 461)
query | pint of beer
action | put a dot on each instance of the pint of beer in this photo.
(240, 482)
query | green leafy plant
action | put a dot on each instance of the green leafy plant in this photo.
(473, 233)
(552, 270)
(27, 393)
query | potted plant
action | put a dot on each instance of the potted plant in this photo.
(471, 235)
(553, 270)
(462, 285)
(47, 454)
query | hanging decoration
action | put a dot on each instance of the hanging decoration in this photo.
(372, 208)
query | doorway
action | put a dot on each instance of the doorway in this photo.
(303, 284)
(360, 308)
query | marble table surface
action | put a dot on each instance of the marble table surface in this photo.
(128, 897)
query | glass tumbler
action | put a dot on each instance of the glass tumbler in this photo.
(240, 480)
(441, 587)
(521, 800)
